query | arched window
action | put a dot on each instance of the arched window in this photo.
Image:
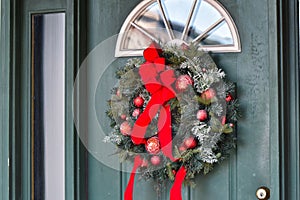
(203, 22)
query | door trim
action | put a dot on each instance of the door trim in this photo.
(15, 143)
(289, 98)
(5, 98)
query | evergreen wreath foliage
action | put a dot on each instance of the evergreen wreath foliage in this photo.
(212, 138)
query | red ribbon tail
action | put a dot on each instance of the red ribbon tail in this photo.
(175, 193)
(165, 131)
(141, 124)
(129, 189)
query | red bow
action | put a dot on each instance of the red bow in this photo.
(158, 81)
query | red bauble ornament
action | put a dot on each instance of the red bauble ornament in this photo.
(136, 112)
(223, 120)
(228, 98)
(182, 148)
(202, 115)
(231, 125)
(125, 128)
(155, 160)
(174, 171)
(152, 145)
(123, 116)
(182, 82)
(190, 142)
(138, 101)
(208, 94)
(144, 163)
(118, 93)
(184, 46)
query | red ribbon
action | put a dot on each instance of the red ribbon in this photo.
(158, 81)
(175, 193)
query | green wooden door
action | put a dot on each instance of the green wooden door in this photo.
(255, 162)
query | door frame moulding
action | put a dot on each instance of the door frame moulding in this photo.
(5, 98)
(289, 98)
(15, 96)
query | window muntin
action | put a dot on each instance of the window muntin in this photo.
(205, 23)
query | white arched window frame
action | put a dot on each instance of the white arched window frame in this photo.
(135, 35)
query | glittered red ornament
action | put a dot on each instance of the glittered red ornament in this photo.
(125, 128)
(138, 101)
(208, 94)
(228, 98)
(202, 115)
(155, 160)
(136, 112)
(152, 145)
(190, 142)
(182, 82)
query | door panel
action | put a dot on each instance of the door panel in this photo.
(255, 161)
(22, 126)
(101, 22)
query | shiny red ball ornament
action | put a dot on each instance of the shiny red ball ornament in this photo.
(182, 148)
(118, 93)
(174, 171)
(208, 94)
(182, 82)
(223, 120)
(125, 128)
(144, 163)
(136, 112)
(231, 125)
(202, 115)
(184, 46)
(228, 98)
(190, 142)
(155, 160)
(138, 101)
(123, 116)
(152, 145)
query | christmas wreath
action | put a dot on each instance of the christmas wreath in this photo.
(173, 114)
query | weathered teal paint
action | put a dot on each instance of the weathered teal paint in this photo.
(258, 71)
(4, 97)
(255, 70)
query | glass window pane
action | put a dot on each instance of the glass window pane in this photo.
(48, 106)
(220, 35)
(153, 20)
(177, 12)
(205, 15)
